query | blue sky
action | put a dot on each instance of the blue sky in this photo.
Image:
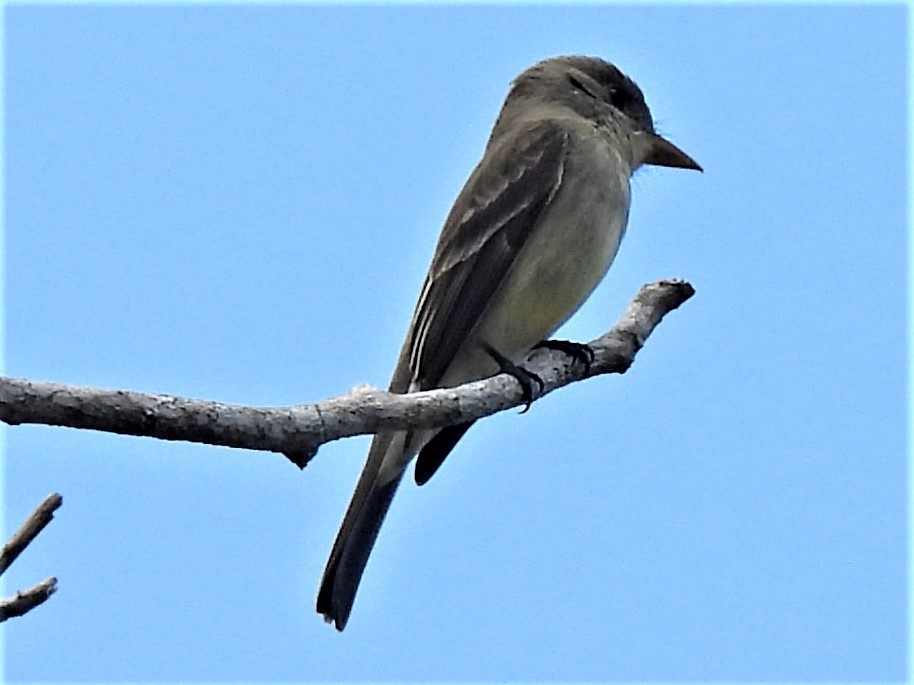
(239, 203)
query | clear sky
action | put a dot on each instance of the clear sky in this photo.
(240, 203)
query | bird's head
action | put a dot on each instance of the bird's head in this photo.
(598, 90)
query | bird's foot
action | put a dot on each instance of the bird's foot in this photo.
(579, 352)
(527, 379)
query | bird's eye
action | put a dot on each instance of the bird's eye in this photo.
(619, 98)
(580, 86)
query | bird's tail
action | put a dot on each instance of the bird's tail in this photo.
(366, 512)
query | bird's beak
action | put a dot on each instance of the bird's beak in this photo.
(664, 153)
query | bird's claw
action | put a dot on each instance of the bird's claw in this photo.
(525, 378)
(579, 352)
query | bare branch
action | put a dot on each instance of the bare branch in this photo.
(27, 599)
(33, 525)
(298, 431)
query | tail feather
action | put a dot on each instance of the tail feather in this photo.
(387, 461)
(358, 533)
(433, 454)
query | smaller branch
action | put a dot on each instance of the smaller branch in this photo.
(29, 531)
(298, 431)
(27, 600)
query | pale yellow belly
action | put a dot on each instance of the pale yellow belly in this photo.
(560, 265)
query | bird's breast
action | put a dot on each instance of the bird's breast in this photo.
(566, 255)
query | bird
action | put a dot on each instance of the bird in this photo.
(531, 234)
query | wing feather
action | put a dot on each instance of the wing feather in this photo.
(493, 216)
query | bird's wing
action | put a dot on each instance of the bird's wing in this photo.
(492, 218)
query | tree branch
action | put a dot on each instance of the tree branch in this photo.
(33, 525)
(298, 431)
(27, 600)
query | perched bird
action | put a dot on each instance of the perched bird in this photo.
(530, 236)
